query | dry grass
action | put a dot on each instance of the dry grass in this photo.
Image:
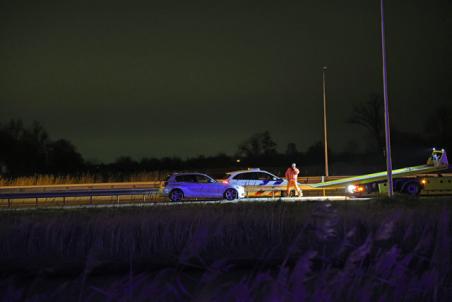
(45, 180)
(375, 251)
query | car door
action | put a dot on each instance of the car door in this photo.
(273, 182)
(244, 179)
(265, 183)
(206, 186)
(187, 183)
(248, 180)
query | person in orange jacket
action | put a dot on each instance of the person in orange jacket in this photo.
(292, 177)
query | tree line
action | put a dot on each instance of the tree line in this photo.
(29, 150)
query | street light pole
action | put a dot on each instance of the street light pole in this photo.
(386, 107)
(325, 130)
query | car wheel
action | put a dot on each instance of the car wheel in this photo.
(176, 195)
(230, 194)
(412, 189)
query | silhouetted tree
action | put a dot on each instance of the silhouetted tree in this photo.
(292, 154)
(369, 115)
(35, 144)
(315, 153)
(268, 144)
(439, 127)
(29, 150)
(258, 145)
(125, 164)
(291, 150)
(24, 150)
(63, 158)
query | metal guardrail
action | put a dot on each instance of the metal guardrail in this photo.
(87, 186)
(77, 193)
(36, 195)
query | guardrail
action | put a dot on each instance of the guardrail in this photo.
(130, 185)
(87, 186)
(9, 196)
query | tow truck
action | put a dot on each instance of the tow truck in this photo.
(405, 180)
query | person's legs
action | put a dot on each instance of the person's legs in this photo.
(289, 185)
(300, 193)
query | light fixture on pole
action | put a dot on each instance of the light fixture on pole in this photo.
(325, 129)
(386, 107)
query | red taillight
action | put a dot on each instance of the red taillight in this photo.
(225, 181)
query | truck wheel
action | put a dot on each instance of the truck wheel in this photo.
(412, 188)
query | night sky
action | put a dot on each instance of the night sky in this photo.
(150, 79)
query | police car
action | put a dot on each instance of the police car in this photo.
(179, 186)
(258, 182)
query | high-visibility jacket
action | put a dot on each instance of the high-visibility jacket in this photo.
(292, 174)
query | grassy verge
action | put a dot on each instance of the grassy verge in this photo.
(377, 250)
(44, 180)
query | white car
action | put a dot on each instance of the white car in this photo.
(258, 182)
(197, 185)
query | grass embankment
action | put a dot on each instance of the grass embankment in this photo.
(347, 251)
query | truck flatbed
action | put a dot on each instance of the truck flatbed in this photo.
(436, 162)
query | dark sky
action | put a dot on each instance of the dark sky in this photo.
(198, 77)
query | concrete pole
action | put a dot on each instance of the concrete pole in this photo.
(386, 107)
(325, 129)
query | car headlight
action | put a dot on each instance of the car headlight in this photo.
(355, 189)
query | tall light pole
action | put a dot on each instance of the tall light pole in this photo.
(386, 107)
(325, 130)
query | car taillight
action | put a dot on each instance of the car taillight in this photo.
(225, 181)
(359, 189)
